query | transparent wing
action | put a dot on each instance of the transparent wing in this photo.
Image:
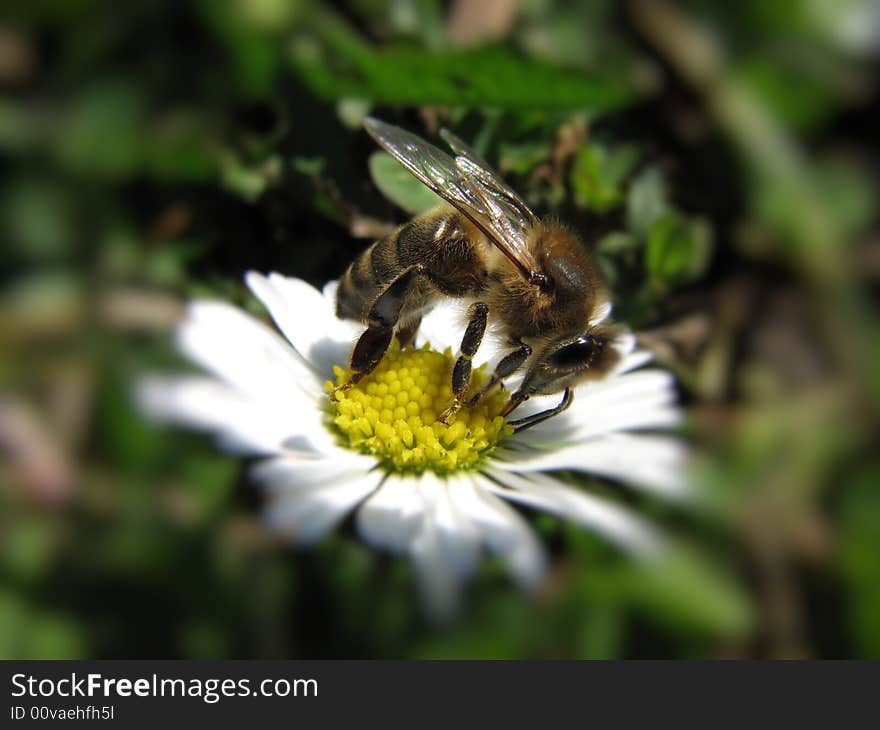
(468, 184)
(471, 163)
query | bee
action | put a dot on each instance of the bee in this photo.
(532, 280)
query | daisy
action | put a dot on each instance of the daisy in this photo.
(439, 494)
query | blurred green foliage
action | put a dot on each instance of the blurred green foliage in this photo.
(720, 161)
(396, 184)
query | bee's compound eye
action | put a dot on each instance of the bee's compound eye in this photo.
(575, 353)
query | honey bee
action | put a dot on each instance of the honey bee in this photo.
(533, 280)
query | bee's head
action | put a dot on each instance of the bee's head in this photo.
(570, 360)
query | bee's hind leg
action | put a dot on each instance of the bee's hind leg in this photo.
(368, 353)
(381, 320)
(470, 343)
(507, 366)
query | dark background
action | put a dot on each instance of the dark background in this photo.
(719, 159)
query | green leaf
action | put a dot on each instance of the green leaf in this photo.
(399, 186)
(849, 192)
(859, 560)
(678, 250)
(647, 201)
(181, 146)
(29, 632)
(28, 548)
(20, 127)
(406, 76)
(352, 112)
(688, 590)
(102, 132)
(249, 180)
(520, 159)
(599, 634)
(309, 166)
(613, 250)
(39, 219)
(616, 243)
(798, 98)
(166, 265)
(244, 29)
(598, 174)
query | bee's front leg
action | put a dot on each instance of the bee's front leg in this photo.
(507, 366)
(523, 423)
(470, 343)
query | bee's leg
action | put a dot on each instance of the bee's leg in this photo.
(461, 373)
(536, 418)
(381, 320)
(407, 333)
(508, 365)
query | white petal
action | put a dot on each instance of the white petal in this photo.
(571, 429)
(401, 517)
(458, 538)
(308, 320)
(395, 516)
(420, 517)
(441, 524)
(634, 360)
(444, 326)
(439, 587)
(329, 292)
(242, 424)
(628, 386)
(289, 472)
(545, 493)
(392, 515)
(625, 343)
(547, 437)
(655, 463)
(245, 353)
(639, 400)
(312, 497)
(505, 532)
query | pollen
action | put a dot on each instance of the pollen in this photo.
(392, 414)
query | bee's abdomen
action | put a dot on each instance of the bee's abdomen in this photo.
(442, 241)
(357, 286)
(368, 275)
(380, 264)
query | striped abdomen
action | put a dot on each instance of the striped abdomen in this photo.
(440, 240)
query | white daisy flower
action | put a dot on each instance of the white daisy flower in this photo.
(438, 494)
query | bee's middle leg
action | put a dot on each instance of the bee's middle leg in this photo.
(507, 366)
(470, 343)
(381, 320)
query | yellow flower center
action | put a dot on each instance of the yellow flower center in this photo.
(392, 414)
